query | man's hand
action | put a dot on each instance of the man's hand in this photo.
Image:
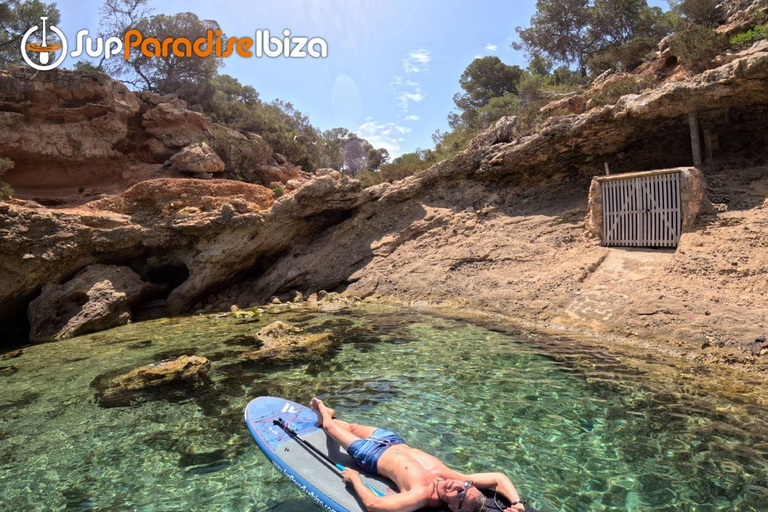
(515, 508)
(349, 475)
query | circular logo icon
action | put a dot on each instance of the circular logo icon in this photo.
(44, 49)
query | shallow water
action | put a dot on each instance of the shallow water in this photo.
(577, 429)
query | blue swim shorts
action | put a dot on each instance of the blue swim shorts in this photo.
(367, 452)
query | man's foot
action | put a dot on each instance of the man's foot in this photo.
(321, 410)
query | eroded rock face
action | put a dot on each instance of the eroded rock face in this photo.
(97, 298)
(62, 115)
(209, 230)
(174, 378)
(286, 344)
(72, 130)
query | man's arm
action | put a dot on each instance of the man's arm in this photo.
(499, 482)
(401, 502)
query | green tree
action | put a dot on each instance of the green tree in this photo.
(700, 12)
(375, 158)
(558, 30)
(190, 78)
(575, 31)
(16, 17)
(484, 79)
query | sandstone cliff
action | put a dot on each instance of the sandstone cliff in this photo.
(76, 135)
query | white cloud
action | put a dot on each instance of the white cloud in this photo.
(406, 97)
(416, 61)
(383, 135)
(412, 118)
(491, 47)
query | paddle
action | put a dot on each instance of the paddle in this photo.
(338, 467)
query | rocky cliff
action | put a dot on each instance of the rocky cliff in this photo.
(500, 227)
(76, 135)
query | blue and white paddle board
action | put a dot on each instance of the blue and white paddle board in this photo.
(313, 475)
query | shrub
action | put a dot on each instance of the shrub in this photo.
(746, 39)
(626, 57)
(393, 172)
(612, 91)
(5, 190)
(696, 46)
(278, 191)
(369, 178)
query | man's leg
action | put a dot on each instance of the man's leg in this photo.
(342, 432)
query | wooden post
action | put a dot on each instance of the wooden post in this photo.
(607, 169)
(693, 124)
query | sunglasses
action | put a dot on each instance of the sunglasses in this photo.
(463, 494)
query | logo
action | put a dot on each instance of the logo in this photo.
(44, 50)
(39, 55)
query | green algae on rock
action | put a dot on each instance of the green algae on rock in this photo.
(184, 372)
(287, 344)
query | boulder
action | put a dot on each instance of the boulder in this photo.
(333, 173)
(574, 104)
(197, 158)
(171, 379)
(277, 329)
(96, 298)
(184, 369)
(286, 344)
(505, 130)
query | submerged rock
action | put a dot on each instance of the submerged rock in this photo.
(191, 369)
(167, 379)
(286, 344)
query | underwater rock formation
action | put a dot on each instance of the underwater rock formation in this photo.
(286, 344)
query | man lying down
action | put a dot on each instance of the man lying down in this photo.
(423, 480)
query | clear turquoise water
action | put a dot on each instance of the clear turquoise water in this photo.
(577, 429)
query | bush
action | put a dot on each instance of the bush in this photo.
(369, 178)
(612, 91)
(748, 38)
(627, 56)
(696, 46)
(278, 191)
(5, 190)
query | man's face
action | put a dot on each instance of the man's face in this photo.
(459, 494)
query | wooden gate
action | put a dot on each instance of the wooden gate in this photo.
(642, 211)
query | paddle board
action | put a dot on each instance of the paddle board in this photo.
(308, 471)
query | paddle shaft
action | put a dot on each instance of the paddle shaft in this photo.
(338, 467)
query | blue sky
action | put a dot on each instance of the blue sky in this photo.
(392, 68)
